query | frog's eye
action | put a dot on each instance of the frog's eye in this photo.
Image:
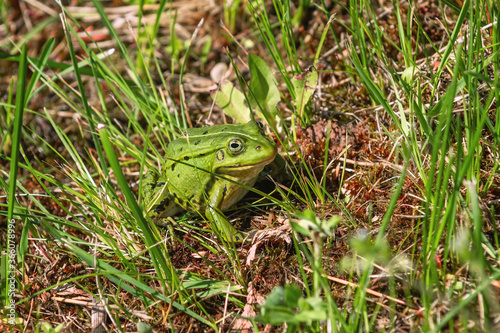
(235, 146)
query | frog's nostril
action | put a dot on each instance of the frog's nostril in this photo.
(257, 148)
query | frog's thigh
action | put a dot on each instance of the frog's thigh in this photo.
(160, 191)
(159, 200)
(149, 185)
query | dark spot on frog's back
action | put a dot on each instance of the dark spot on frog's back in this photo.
(206, 132)
(186, 158)
(173, 166)
(197, 142)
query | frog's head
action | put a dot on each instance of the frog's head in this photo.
(247, 149)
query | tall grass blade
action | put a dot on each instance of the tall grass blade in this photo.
(8, 269)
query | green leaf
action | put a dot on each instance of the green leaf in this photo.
(46, 327)
(305, 85)
(232, 102)
(142, 327)
(302, 228)
(310, 222)
(408, 74)
(58, 328)
(264, 93)
(281, 304)
(286, 304)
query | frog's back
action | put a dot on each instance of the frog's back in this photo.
(197, 142)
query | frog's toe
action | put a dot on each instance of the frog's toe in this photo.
(242, 237)
(239, 237)
(166, 222)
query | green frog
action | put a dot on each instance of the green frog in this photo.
(203, 171)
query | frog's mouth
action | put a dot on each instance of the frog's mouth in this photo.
(244, 167)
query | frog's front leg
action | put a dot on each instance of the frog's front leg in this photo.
(218, 219)
(277, 169)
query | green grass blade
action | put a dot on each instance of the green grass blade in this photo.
(118, 277)
(18, 123)
(9, 269)
(40, 65)
(160, 258)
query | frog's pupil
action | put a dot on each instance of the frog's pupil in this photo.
(235, 146)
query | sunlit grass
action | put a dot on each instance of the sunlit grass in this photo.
(442, 145)
(443, 122)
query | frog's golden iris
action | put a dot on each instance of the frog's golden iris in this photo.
(202, 172)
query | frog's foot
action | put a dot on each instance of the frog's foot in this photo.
(166, 222)
(244, 237)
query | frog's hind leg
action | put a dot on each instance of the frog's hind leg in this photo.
(158, 202)
(149, 182)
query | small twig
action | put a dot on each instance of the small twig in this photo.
(226, 302)
(371, 164)
(91, 304)
(232, 36)
(368, 290)
(44, 8)
(29, 315)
